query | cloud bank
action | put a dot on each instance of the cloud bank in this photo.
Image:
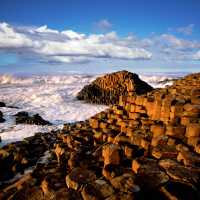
(44, 44)
(67, 46)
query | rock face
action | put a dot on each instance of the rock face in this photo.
(2, 104)
(24, 118)
(145, 147)
(107, 89)
(1, 117)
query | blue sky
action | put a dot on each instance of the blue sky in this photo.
(99, 35)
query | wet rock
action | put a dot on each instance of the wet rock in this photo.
(1, 117)
(110, 171)
(148, 173)
(164, 151)
(28, 193)
(79, 177)
(2, 104)
(90, 192)
(24, 118)
(107, 89)
(125, 183)
(104, 188)
(188, 158)
(52, 183)
(67, 194)
(179, 190)
(16, 157)
(178, 172)
(121, 196)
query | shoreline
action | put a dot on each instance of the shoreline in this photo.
(138, 148)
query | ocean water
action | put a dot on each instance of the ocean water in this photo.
(54, 98)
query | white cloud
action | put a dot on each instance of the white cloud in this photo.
(9, 38)
(45, 29)
(186, 30)
(196, 56)
(73, 35)
(177, 43)
(67, 46)
(103, 24)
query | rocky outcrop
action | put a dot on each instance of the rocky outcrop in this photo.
(25, 118)
(1, 117)
(146, 147)
(2, 104)
(107, 89)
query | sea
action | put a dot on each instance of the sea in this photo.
(53, 97)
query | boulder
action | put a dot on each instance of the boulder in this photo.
(79, 177)
(105, 189)
(107, 89)
(125, 183)
(178, 172)
(25, 118)
(2, 104)
(111, 154)
(148, 173)
(90, 192)
(1, 117)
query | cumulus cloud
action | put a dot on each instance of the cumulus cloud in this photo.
(67, 46)
(9, 38)
(186, 30)
(52, 46)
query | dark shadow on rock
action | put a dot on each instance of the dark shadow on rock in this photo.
(25, 118)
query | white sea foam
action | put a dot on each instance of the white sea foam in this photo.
(53, 97)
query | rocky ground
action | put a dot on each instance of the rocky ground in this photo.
(145, 147)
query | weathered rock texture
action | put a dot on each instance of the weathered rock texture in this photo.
(146, 147)
(107, 89)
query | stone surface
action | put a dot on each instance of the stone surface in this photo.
(24, 118)
(111, 154)
(145, 147)
(79, 177)
(107, 89)
(1, 117)
(2, 104)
